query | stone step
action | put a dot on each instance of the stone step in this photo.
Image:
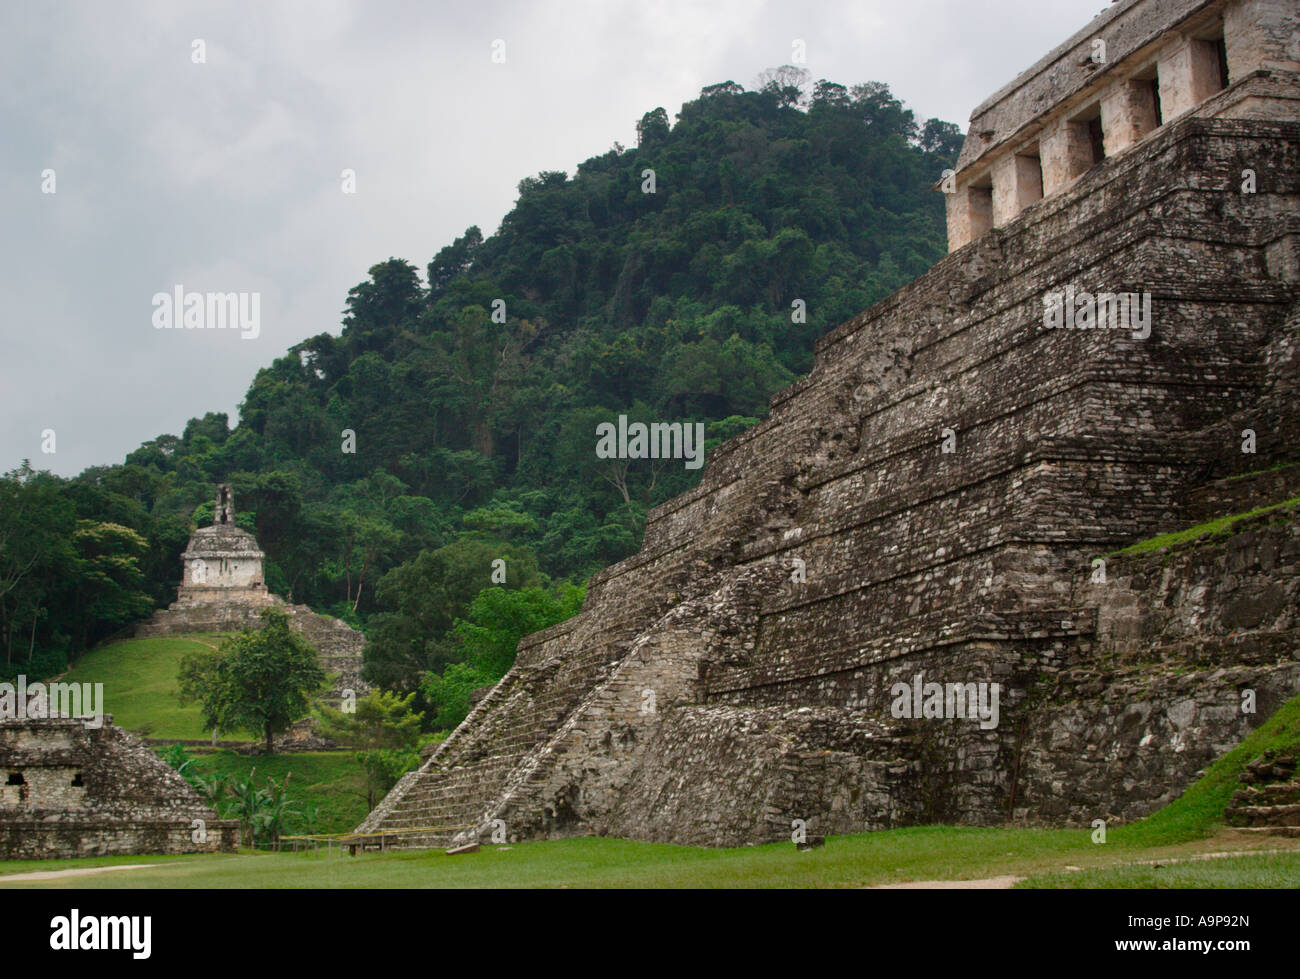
(1287, 815)
(1269, 770)
(1277, 794)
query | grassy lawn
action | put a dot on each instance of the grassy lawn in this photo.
(1262, 870)
(922, 853)
(139, 678)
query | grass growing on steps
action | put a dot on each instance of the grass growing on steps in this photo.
(1217, 527)
(140, 688)
(331, 780)
(1199, 810)
(1260, 472)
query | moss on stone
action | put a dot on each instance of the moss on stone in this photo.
(1213, 529)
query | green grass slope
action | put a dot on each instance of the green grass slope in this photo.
(1217, 528)
(140, 688)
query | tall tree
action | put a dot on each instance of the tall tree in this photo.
(263, 680)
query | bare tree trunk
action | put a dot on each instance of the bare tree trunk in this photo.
(360, 578)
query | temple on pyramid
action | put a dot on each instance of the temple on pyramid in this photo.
(223, 589)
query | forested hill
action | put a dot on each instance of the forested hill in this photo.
(474, 438)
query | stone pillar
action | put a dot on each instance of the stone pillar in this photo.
(970, 214)
(1261, 34)
(1066, 154)
(1017, 183)
(1189, 74)
(1128, 112)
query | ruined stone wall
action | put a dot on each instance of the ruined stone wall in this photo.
(75, 791)
(1157, 696)
(339, 645)
(736, 674)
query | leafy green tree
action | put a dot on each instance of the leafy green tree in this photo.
(785, 83)
(488, 638)
(449, 692)
(382, 767)
(427, 595)
(36, 551)
(381, 719)
(201, 680)
(653, 128)
(261, 680)
(110, 587)
(499, 618)
(454, 260)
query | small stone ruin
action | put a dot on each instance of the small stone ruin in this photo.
(80, 787)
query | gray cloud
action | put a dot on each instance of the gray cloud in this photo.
(226, 176)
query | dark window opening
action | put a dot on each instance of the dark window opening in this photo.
(1036, 187)
(1097, 139)
(1154, 85)
(1222, 49)
(981, 206)
(15, 778)
(77, 783)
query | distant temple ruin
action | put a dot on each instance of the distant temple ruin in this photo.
(939, 504)
(223, 589)
(69, 789)
(222, 566)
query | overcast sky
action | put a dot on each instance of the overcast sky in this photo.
(225, 176)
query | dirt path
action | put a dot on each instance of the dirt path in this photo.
(980, 884)
(77, 872)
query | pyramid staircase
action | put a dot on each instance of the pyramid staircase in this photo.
(1269, 801)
